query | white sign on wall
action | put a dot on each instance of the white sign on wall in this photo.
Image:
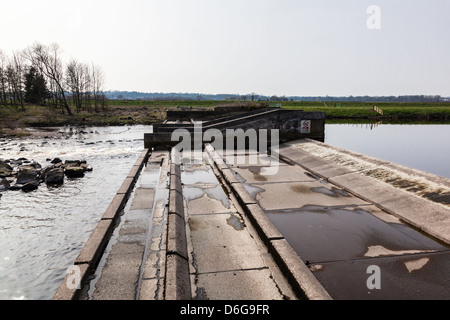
(305, 126)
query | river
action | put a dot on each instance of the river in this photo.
(425, 147)
(43, 231)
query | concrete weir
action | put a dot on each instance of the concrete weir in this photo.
(310, 221)
(210, 227)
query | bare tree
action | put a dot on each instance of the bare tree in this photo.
(98, 79)
(13, 80)
(47, 59)
(3, 79)
(78, 79)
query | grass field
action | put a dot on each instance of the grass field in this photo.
(363, 110)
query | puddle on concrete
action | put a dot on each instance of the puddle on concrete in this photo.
(333, 192)
(205, 175)
(149, 177)
(235, 222)
(198, 183)
(252, 190)
(321, 234)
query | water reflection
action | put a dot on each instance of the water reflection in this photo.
(424, 147)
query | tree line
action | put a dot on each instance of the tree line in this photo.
(37, 75)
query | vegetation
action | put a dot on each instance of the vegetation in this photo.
(392, 111)
(37, 75)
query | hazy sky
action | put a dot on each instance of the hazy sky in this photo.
(283, 47)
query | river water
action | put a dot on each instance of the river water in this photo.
(425, 147)
(43, 231)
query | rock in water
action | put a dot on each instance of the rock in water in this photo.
(54, 176)
(5, 169)
(26, 174)
(56, 160)
(31, 185)
(74, 172)
(4, 184)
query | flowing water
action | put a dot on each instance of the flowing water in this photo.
(42, 231)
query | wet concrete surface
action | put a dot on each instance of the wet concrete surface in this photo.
(339, 235)
(226, 261)
(132, 266)
(403, 277)
(322, 234)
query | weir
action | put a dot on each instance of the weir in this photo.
(304, 221)
(290, 125)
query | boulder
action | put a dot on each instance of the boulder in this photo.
(54, 176)
(86, 167)
(15, 187)
(5, 169)
(74, 172)
(4, 184)
(26, 174)
(31, 185)
(56, 160)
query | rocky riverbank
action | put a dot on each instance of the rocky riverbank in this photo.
(27, 175)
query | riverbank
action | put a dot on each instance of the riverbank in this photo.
(391, 111)
(16, 122)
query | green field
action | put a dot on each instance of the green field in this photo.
(363, 110)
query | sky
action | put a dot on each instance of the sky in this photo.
(269, 47)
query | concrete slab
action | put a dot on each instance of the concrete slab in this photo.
(222, 244)
(115, 207)
(176, 204)
(93, 248)
(120, 273)
(262, 223)
(301, 278)
(315, 164)
(126, 186)
(230, 176)
(142, 199)
(176, 236)
(149, 177)
(208, 205)
(243, 195)
(258, 174)
(238, 160)
(67, 290)
(405, 277)
(177, 281)
(298, 194)
(149, 289)
(175, 183)
(237, 285)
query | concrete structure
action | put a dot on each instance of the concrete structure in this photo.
(310, 221)
(218, 229)
(290, 125)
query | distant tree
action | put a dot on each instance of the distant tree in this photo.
(3, 79)
(36, 90)
(14, 75)
(48, 61)
(98, 79)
